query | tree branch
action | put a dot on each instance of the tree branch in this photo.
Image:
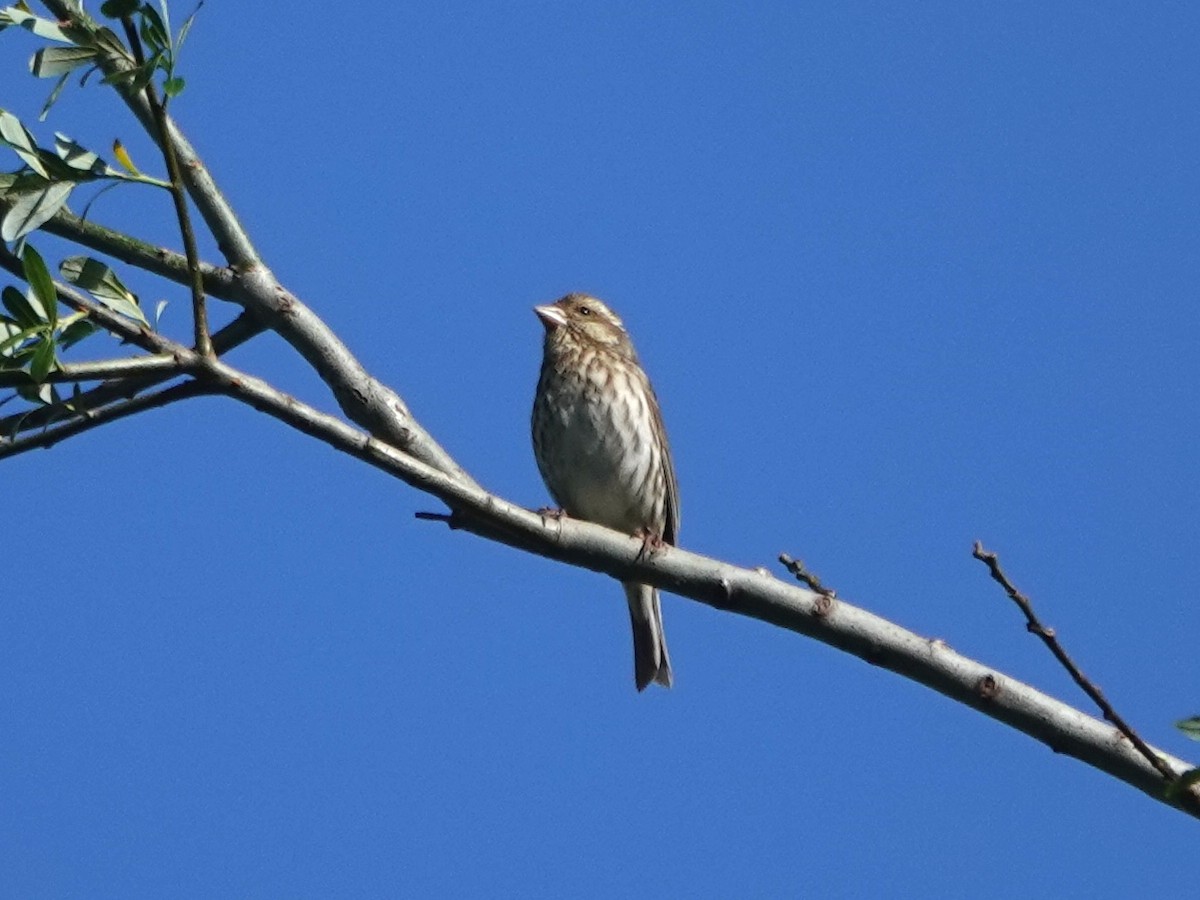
(50, 436)
(747, 592)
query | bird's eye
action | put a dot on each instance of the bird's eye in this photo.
(585, 310)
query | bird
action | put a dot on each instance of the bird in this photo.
(602, 450)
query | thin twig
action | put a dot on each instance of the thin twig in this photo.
(232, 335)
(805, 577)
(98, 370)
(50, 436)
(1034, 625)
(426, 516)
(219, 281)
(178, 196)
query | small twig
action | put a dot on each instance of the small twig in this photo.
(50, 436)
(179, 197)
(1034, 625)
(805, 577)
(449, 518)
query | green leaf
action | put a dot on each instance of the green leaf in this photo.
(50, 62)
(118, 9)
(154, 32)
(94, 276)
(76, 332)
(173, 87)
(31, 209)
(134, 78)
(15, 135)
(38, 393)
(17, 360)
(8, 328)
(80, 158)
(105, 40)
(44, 361)
(143, 75)
(1190, 727)
(11, 337)
(166, 18)
(54, 95)
(39, 279)
(21, 309)
(74, 170)
(43, 28)
(186, 27)
(120, 77)
(22, 182)
(34, 302)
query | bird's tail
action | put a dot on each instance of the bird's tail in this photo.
(650, 660)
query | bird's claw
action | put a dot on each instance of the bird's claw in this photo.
(652, 544)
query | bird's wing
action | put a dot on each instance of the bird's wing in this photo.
(671, 506)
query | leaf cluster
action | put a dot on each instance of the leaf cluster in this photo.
(32, 331)
(162, 50)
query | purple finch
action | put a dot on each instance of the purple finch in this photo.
(602, 450)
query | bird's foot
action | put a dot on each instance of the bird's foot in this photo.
(652, 544)
(553, 513)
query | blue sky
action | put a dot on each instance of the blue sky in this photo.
(904, 278)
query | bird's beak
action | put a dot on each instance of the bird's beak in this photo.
(552, 316)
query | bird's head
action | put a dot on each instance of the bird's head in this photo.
(579, 318)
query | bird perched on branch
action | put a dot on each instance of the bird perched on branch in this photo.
(602, 450)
